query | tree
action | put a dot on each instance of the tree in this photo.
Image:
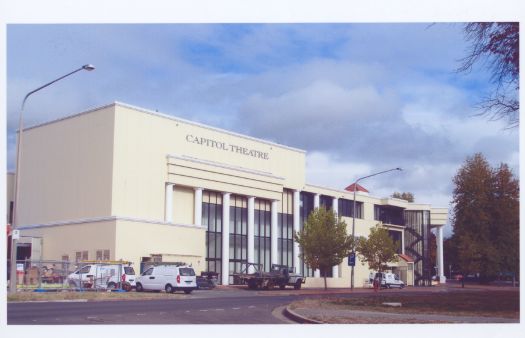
(407, 196)
(506, 214)
(497, 45)
(323, 240)
(378, 249)
(486, 218)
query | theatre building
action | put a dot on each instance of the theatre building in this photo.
(121, 182)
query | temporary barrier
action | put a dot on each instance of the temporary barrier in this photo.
(52, 275)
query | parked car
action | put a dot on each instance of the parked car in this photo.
(170, 278)
(389, 280)
(102, 275)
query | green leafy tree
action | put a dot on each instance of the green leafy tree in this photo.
(486, 218)
(407, 196)
(378, 249)
(496, 46)
(323, 240)
(472, 217)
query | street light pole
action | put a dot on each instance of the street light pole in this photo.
(12, 284)
(353, 217)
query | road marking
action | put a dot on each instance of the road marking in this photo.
(187, 311)
(219, 309)
(236, 308)
(203, 310)
(141, 314)
(91, 317)
(251, 306)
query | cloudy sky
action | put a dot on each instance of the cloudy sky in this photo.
(360, 98)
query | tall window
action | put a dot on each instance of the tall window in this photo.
(388, 214)
(346, 208)
(262, 233)
(285, 230)
(307, 205)
(326, 201)
(212, 220)
(238, 234)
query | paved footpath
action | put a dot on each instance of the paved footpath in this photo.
(385, 317)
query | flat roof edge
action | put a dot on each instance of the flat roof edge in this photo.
(179, 119)
(91, 110)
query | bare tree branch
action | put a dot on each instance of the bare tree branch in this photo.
(496, 46)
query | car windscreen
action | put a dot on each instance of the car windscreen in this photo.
(186, 272)
(128, 270)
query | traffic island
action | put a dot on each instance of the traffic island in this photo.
(454, 307)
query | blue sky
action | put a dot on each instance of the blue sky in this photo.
(359, 98)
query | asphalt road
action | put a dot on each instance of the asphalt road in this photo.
(230, 309)
(226, 306)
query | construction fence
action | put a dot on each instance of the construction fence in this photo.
(47, 275)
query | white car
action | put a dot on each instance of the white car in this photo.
(106, 276)
(390, 280)
(170, 278)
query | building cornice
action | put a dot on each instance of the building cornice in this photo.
(224, 166)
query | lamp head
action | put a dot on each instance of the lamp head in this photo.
(88, 67)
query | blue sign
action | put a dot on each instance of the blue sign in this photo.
(351, 259)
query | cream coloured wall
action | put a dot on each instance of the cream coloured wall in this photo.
(67, 239)
(183, 205)
(174, 243)
(143, 140)
(67, 169)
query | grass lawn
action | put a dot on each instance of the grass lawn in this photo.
(91, 296)
(467, 303)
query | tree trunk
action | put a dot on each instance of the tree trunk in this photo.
(325, 287)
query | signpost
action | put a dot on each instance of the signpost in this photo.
(351, 259)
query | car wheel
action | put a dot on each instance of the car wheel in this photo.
(112, 286)
(169, 288)
(402, 286)
(297, 285)
(72, 284)
(187, 291)
(282, 286)
(139, 287)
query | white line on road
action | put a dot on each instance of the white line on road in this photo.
(203, 310)
(141, 314)
(251, 306)
(219, 309)
(236, 308)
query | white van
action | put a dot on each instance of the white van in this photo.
(169, 278)
(389, 280)
(103, 275)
